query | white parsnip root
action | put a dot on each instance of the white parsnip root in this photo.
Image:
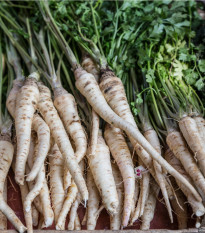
(6, 156)
(149, 210)
(73, 212)
(189, 129)
(26, 103)
(69, 199)
(180, 207)
(200, 122)
(56, 180)
(92, 213)
(197, 206)
(120, 151)
(88, 87)
(116, 219)
(67, 109)
(100, 166)
(3, 220)
(152, 137)
(58, 132)
(178, 146)
(43, 134)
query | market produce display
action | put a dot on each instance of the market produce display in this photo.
(102, 105)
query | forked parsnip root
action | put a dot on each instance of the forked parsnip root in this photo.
(43, 134)
(68, 201)
(26, 103)
(73, 212)
(67, 109)
(40, 188)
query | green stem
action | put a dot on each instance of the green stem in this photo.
(190, 19)
(50, 21)
(151, 85)
(68, 78)
(14, 60)
(115, 33)
(167, 122)
(23, 53)
(96, 29)
(32, 52)
(94, 52)
(155, 105)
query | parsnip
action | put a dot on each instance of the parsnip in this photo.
(196, 205)
(100, 167)
(6, 156)
(116, 219)
(93, 202)
(26, 103)
(149, 210)
(178, 146)
(191, 133)
(152, 137)
(58, 132)
(120, 151)
(3, 220)
(200, 121)
(43, 133)
(69, 199)
(56, 180)
(180, 207)
(88, 87)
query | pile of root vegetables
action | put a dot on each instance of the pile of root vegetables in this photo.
(102, 105)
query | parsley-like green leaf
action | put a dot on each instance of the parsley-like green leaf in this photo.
(202, 65)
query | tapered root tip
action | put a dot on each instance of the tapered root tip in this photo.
(48, 222)
(197, 225)
(85, 203)
(131, 222)
(125, 223)
(59, 228)
(22, 229)
(30, 177)
(19, 180)
(35, 222)
(199, 213)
